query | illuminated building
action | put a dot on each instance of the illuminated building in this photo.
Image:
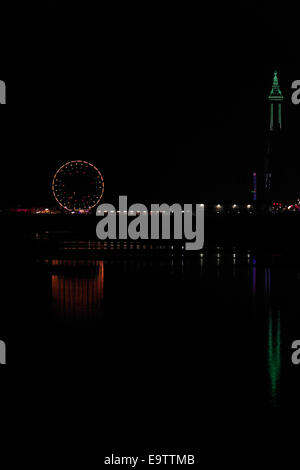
(254, 186)
(275, 100)
(267, 181)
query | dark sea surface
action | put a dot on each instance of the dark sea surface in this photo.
(149, 351)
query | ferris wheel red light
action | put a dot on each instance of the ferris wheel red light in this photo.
(78, 186)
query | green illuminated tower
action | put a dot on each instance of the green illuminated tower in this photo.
(275, 101)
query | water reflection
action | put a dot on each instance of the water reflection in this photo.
(254, 277)
(77, 288)
(274, 341)
(274, 355)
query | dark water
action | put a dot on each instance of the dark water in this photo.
(174, 351)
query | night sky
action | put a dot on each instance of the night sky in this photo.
(170, 102)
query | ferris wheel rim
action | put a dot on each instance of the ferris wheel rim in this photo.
(69, 163)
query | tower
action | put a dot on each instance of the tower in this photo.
(275, 100)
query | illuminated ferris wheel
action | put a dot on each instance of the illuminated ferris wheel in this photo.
(78, 186)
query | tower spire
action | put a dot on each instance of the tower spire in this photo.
(275, 94)
(275, 100)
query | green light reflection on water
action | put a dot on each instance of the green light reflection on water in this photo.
(274, 355)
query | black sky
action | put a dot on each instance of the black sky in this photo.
(168, 101)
